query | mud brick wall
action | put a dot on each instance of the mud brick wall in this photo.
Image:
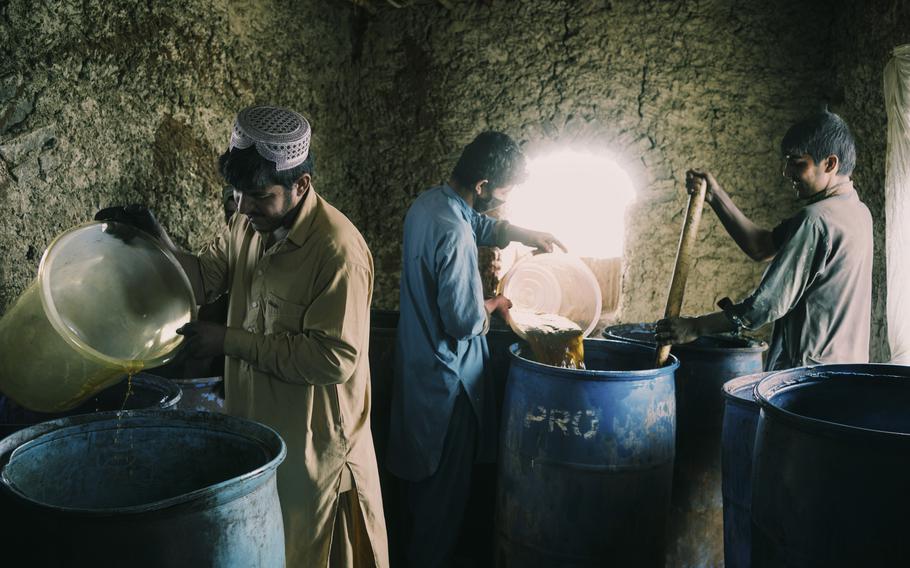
(115, 102)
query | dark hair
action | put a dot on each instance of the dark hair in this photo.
(821, 135)
(492, 156)
(246, 170)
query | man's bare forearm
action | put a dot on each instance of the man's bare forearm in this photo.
(679, 330)
(752, 239)
(712, 323)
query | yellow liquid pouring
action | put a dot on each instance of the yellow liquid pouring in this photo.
(131, 369)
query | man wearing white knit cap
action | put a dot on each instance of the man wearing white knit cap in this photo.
(300, 278)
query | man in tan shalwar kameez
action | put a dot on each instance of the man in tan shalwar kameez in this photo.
(300, 278)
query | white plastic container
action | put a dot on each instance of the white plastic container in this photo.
(108, 301)
(555, 283)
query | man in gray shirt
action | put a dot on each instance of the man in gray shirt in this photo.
(818, 288)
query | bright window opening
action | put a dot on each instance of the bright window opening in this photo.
(581, 197)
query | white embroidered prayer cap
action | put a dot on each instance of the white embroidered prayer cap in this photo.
(280, 135)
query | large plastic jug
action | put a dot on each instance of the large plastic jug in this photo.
(107, 301)
(555, 283)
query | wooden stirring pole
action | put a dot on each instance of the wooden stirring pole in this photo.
(683, 262)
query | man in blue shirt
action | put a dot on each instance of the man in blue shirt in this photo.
(438, 424)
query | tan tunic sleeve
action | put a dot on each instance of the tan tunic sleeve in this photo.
(334, 327)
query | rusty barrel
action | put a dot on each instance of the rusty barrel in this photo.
(696, 518)
(737, 444)
(586, 460)
(829, 477)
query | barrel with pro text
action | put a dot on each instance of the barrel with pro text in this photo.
(586, 460)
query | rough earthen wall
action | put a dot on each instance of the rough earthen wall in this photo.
(107, 103)
(115, 102)
(662, 85)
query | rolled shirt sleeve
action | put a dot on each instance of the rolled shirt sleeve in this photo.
(488, 231)
(797, 263)
(327, 350)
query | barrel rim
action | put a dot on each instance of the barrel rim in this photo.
(198, 381)
(739, 384)
(594, 374)
(173, 396)
(199, 419)
(755, 346)
(779, 381)
(163, 383)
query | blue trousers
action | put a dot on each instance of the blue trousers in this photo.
(436, 505)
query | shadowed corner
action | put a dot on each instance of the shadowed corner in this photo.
(4, 190)
(3, 293)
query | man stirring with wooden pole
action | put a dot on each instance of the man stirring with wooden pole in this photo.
(818, 288)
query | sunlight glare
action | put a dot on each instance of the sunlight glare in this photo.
(580, 197)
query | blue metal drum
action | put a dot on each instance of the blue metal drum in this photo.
(737, 443)
(143, 488)
(832, 456)
(586, 460)
(696, 515)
